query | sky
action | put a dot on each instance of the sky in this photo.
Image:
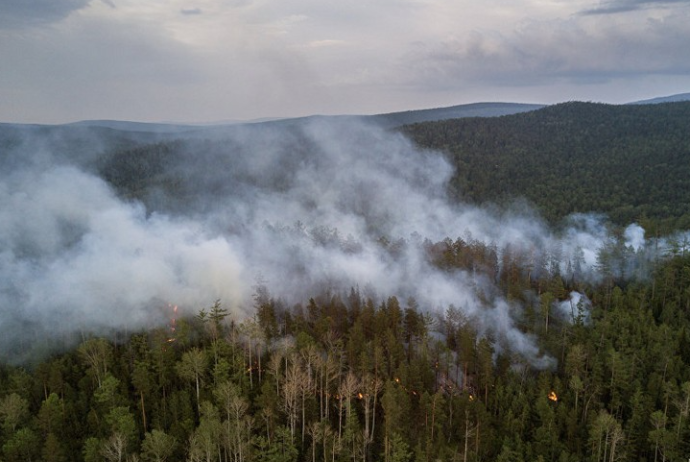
(205, 61)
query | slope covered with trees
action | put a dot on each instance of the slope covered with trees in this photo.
(344, 377)
(629, 162)
(353, 376)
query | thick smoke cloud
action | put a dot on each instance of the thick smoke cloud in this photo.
(75, 258)
(321, 206)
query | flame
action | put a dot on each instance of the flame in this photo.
(413, 392)
(360, 396)
(553, 396)
(173, 322)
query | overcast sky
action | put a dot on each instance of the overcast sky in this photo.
(215, 60)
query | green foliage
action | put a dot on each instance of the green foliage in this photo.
(22, 446)
(157, 446)
(374, 381)
(279, 449)
(13, 411)
(629, 162)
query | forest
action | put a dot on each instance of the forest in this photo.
(346, 377)
(567, 347)
(629, 162)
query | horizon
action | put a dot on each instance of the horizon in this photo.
(200, 124)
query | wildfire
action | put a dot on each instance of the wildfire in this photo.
(553, 396)
(173, 322)
(360, 396)
(413, 392)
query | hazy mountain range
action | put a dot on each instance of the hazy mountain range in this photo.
(388, 120)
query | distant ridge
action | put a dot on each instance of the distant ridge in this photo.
(388, 120)
(665, 99)
(127, 126)
(394, 119)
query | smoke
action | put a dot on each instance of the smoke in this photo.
(307, 208)
(634, 237)
(75, 258)
(577, 307)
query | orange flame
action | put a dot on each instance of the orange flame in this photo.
(553, 396)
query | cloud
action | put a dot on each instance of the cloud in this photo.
(206, 60)
(23, 13)
(190, 11)
(326, 43)
(623, 6)
(578, 50)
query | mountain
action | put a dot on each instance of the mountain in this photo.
(665, 99)
(148, 127)
(387, 120)
(630, 162)
(453, 112)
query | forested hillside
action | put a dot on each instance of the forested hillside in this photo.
(629, 162)
(343, 377)
(361, 315)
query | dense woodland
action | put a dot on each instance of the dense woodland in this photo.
(347, 376)
(629, 162)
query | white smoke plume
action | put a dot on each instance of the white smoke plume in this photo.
(309, 207)
(634, 237)
(576, 307)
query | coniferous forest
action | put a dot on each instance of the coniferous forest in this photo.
(342, 377)
(629, 162)
(584, 363)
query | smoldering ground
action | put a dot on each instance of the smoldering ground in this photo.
(102, 240)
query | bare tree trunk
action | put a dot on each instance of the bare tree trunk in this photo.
(143, 410)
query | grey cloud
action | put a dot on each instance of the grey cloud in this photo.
(622, 6)
(22, 13)
(190, 11)
(541, 53)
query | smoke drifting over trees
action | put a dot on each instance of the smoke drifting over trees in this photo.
(101, 238)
